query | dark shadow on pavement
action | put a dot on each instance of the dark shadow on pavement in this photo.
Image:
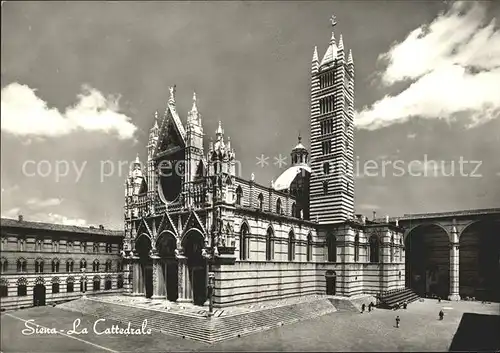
(477, 332)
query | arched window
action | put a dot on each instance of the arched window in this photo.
(83, 264)
(326, 168)
(38, 266)
(22, 284)
(96, 283)
(401, 248)
(69, 246)
(309, 247)
(55, 265)
(119, 266)
(119, 282)
(95, 266)
(21, 265)
(108, 266)
(107, 283)
(109, 248)
(356, 247)
(55, 285)
(4, 288)
(278, 206)
(83, 284)
(95, 248)
(294, 210)
(38, 245)
(83, 246)
(261, 202)
(21, 244)
(291, 246)
(244, 242)
(374, 248)
(70, 284)
(69, 265)
(325, 187)
(239, 195)
(332, 248)
(4, 266)
(55, 245)
(392, 247)
(269, 244)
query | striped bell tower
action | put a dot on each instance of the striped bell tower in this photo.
(332, 153)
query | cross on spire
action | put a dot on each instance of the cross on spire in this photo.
(333, 20)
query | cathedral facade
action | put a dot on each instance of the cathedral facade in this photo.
(190, 219)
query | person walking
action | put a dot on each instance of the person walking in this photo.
(397, 321)
(363, 307)
(441, 314)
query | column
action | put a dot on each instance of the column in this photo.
(454, 266)
(158, 279)
(136, 277)
(184, 290)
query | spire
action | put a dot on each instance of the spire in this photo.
(341, 43)
(137, 159)
(155, 126)
(171, 99)
(349, 58)
(194, 108)
(219, 131)
(315, 55)
(331, 51)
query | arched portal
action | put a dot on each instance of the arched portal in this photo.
(193, 244)
(479, 263)
(166, 245)
(145, 280)
(428, 261)
(39, 294)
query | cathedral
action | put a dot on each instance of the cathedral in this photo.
(190, 219)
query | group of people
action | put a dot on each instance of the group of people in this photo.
(371, 306)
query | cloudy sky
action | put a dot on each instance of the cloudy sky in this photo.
(81, 81)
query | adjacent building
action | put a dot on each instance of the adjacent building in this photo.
(44, 263)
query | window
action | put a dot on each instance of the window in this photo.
(309, 248)
(95, 266)
(294, 210)
(21, 244)
(55, 245)
(374, 248)
(119, 266)
(269, 244)
(83, 284)
(4, 288)
(109, 248)
(278, 206)
(108, 266)
(95, 248)
(83, 264)
(4, 265)
(244, 242)
(326, 168)
(291, 246)
(107, 283)
(261, 201)
(83, 246)
(69, 246)
(4, 243)
(21, 287)
(325, 187)
(21, 265)
(96, 283)
(70, 285)
(119, 282)
(326, 147)
(401, 248)
(239, 195)
(69, 265)
(55, 265)
(332, 248)
(356, 247)
(55, 285)
(38, 266)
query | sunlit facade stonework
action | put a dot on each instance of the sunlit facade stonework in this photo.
(188, 212)
(44, 263)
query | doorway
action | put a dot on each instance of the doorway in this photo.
(199, 281)
(331, 283)
(39, 295)
(172, 281)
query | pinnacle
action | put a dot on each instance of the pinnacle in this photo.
(349, 58)
(195, 108)
(315, 54)
(332, 39)
(341, 43)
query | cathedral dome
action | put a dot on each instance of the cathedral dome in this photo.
(288, 176)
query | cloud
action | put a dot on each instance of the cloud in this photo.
(25, 114)
(366, 206)
(11, 213)
(452, 65)
(37, 203)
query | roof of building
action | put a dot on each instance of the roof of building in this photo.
(13, 223)
(286, 178)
